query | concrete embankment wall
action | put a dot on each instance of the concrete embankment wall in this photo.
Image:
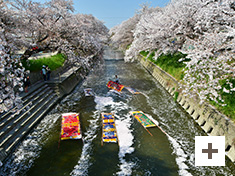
(211, 121)
(65, 86)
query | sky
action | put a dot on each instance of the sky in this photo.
(112, 12)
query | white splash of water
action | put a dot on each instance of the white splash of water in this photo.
(125, 167)
(181, 157)
(146, 96)
(125, 137)
(112, 91)
(84, 162)
(125, 145)
(101, 102)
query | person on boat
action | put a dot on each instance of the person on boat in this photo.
(117, 79)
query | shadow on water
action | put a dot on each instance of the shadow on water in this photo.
(105, 159)
(57, 157)
(152, 152)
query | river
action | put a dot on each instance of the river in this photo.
(138, 152)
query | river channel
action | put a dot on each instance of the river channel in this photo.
(138, 153)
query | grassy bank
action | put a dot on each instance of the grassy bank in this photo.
(171, 64)
(229, 100)
(53, 62)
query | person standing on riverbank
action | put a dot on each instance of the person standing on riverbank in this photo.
(26, 84)
(48, 70)
(44, 73)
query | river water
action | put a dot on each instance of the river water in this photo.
(138, 152)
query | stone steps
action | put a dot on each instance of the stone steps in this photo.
(25, 99)
(42, 96)
(27, 125)
(8, 118)
(14, 122)
(15, 125)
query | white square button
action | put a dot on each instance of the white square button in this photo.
(209, 151)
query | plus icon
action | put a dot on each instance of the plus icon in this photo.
(209, 151)
(204, 150)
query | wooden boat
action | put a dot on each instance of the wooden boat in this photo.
(88, 92)
(115, 86)
(70, 126)
(143, 119)
(109, 133)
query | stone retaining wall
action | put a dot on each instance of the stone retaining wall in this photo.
(69, 81)
(211, 121)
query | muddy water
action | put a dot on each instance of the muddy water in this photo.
(138, 152)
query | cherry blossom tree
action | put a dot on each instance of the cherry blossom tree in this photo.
(11, 71)
(211, 51)
(11, 75)
(51, 25)
(83, 39)
(39, 22)
(122, 35)
(202, 29)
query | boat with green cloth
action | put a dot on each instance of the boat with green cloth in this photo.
(143, 119)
